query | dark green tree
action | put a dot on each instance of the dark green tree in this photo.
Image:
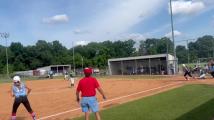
(182, 54)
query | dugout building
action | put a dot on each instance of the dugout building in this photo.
(43, 71)
(56, 69)
(161, 64)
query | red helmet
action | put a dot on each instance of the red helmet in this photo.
(87, 71)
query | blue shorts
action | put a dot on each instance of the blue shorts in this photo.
(89, 103)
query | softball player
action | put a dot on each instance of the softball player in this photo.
(65, 75)
(20, 91)
(202, 74)
(211, 67)
(186, 72)
(72, 79)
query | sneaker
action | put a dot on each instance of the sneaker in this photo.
(34, 118)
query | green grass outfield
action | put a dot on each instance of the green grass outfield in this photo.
(190, 102)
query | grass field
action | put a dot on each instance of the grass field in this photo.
(190, 102)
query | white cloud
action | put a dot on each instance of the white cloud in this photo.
(212, 21)
(111, 22)
(82, 42)
(187, 7)
(133, 36)
(209, 2)
(79, 31)
(119, 18)
(63, 18)
(176, 33)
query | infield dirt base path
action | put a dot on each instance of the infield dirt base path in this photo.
(50, 98)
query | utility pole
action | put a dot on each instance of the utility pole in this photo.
(187, 47)
(5, 36)
(74, 59)
(173, 36)
(188, 51)
(167, 52)
(82, 64)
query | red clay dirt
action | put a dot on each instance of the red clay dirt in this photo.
(49, 98)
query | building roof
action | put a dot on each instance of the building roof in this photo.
(140, 57)
(59, 65)
(53, 66)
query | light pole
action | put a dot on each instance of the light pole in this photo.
(188, 51)
(74, 59)
(173, 36)
(5, 36)
(82, 63)
(187, 47)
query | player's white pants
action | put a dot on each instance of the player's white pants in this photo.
(202, 76)
(65, 76)
(72, 80)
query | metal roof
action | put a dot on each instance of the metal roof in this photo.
(139, 57)
(59, 65)
(54, 66)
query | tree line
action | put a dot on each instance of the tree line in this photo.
(96, 54)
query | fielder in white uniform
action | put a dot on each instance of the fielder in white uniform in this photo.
(72, 79)
(65, 75)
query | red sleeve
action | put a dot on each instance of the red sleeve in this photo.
(96, 83)
(79, 87)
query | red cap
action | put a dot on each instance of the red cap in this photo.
(87, 71)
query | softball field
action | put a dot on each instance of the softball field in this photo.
(55, 100)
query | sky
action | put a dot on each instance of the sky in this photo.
(78, 22)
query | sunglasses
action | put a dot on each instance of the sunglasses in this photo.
(16, 82)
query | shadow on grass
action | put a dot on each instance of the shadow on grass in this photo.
(202, 112)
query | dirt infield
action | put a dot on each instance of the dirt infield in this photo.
(55, 99)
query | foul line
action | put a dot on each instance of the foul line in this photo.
(54, 115)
